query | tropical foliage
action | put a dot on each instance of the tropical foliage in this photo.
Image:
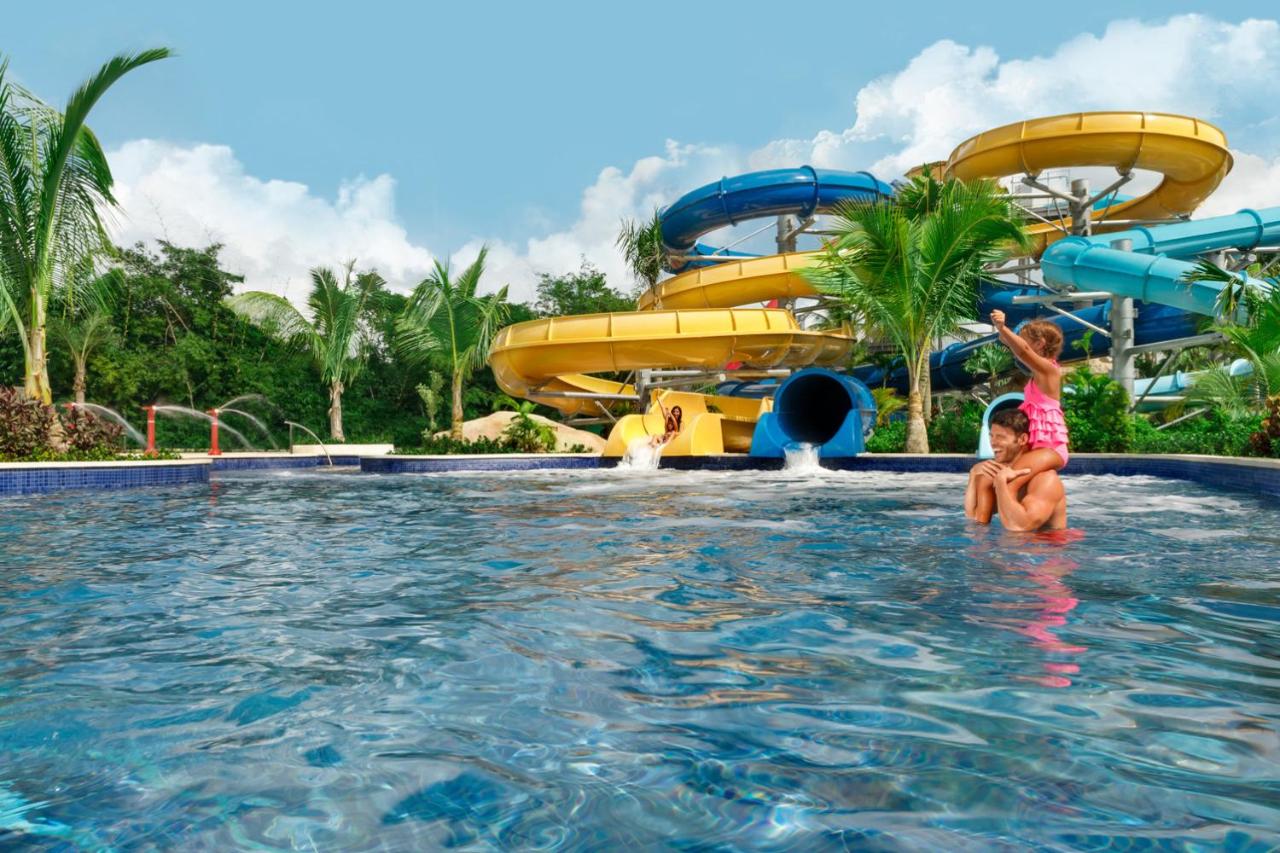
(447, 316)
(912, 268)
(334, 336)
(641, 246)
(54, 184)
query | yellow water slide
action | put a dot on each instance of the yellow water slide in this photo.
(691, 320)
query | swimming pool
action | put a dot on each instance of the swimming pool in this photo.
(607, 659)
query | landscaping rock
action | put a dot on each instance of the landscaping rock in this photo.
(492, 427)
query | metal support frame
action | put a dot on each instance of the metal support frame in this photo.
(1185, 417)
(1072, 296)
(1124, 368)
(1164, 365)
(1179, 343)
(1101, 331)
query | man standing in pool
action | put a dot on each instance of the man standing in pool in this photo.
(1041, 504)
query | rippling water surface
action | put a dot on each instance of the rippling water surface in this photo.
(636, 661)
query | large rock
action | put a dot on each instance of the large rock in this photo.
(493, 426)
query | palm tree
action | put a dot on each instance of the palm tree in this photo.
(641, 246)
(82, 336)
(335, 336)
(1252, 330)
(54, 178)
(445, 317)
(991, 361)
(912, 268)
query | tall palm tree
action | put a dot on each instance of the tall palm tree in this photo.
(641, 247)
(912, 268)
(446, 317)
(334, 336)
(54, 179)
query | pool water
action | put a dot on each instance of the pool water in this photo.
(622, 660)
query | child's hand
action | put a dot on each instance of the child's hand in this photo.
(997, 319)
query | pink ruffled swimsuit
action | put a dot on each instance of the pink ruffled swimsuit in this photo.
(1048, 428)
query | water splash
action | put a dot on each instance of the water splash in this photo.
(802, 459)
(244, 398)
(257, 422)
(112, 414)
(643, 454)
(313, 435)
(207, 418)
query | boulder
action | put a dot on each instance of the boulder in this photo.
(492, 427)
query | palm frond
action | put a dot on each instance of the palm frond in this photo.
(276, 316)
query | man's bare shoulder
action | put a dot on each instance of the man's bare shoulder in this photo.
(1046, 484)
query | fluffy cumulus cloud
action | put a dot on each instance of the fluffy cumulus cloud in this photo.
(1189, 64)
(273, 231)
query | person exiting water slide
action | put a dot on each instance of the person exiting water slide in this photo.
(1039, 505)
(672, 421)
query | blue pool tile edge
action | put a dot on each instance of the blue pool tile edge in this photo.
(23, 479)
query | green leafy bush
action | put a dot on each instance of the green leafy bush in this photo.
(955, 428)
(25, 424)
(1097, 413)
(1214, 433)
(889, 438)
(527, 435)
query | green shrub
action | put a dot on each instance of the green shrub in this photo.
(889, 438)
(25, 425)
(1097, 413)
(1214, 433)
(955, 428)
(525, 435)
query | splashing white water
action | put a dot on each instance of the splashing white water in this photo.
(641, 455)
(802, 459)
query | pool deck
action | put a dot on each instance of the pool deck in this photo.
(1257, 476)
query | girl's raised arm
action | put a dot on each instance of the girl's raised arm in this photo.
(1022, 350)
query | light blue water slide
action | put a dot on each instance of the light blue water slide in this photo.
(1150, 269)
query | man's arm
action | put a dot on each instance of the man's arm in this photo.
(979, 486)
(1033, 511)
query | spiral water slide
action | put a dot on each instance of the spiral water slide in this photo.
(550, 360)
(692, 320)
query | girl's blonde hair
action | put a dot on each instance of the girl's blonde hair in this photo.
(1044, 337)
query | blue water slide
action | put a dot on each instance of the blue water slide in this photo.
(776, 192)
(1144, 272)
(831, 411)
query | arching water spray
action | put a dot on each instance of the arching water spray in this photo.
(207, 418)
(222, 410)
(112, 414)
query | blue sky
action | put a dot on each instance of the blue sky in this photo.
(494, 122)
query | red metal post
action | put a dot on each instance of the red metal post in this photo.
(151, 431)
(213, 434)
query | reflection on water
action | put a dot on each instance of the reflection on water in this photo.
(610, 660)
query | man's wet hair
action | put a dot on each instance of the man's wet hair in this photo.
(1014, 420)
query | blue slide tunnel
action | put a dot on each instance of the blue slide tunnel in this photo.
(831, 411)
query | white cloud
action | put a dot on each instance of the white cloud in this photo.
(1192, 64)
(274, 231)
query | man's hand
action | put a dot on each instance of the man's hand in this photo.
(1008, 474)
(997, 319)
